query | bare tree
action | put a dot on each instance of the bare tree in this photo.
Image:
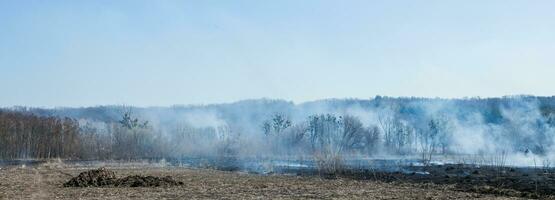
(372, 139)
(397, 134)
(276, 125)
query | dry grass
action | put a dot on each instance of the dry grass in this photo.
(45, 182)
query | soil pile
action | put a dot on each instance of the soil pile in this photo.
(105, 178)
(93, 178)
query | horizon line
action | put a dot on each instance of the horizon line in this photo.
(278, 99)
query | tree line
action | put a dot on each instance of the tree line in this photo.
(400, 126)
(25, 135)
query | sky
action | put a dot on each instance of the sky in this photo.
(159, 53)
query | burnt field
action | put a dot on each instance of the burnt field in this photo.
(46, 181)
(510, 181)
(504, 181)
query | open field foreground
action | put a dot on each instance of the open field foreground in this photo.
(45, 181)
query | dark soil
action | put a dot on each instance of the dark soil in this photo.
(105, 178)
(146, 181)
(93, 178)
(517, 182)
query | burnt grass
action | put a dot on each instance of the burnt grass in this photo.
(527, 182)
(103, 177)
(503, 181)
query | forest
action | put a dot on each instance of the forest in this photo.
(332, 129)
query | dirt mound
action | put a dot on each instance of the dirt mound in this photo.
(103, 178)
(93, 178)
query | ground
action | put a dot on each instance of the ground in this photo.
(45, 181)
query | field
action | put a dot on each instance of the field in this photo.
(45, 181)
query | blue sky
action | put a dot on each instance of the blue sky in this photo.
(145, 53)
